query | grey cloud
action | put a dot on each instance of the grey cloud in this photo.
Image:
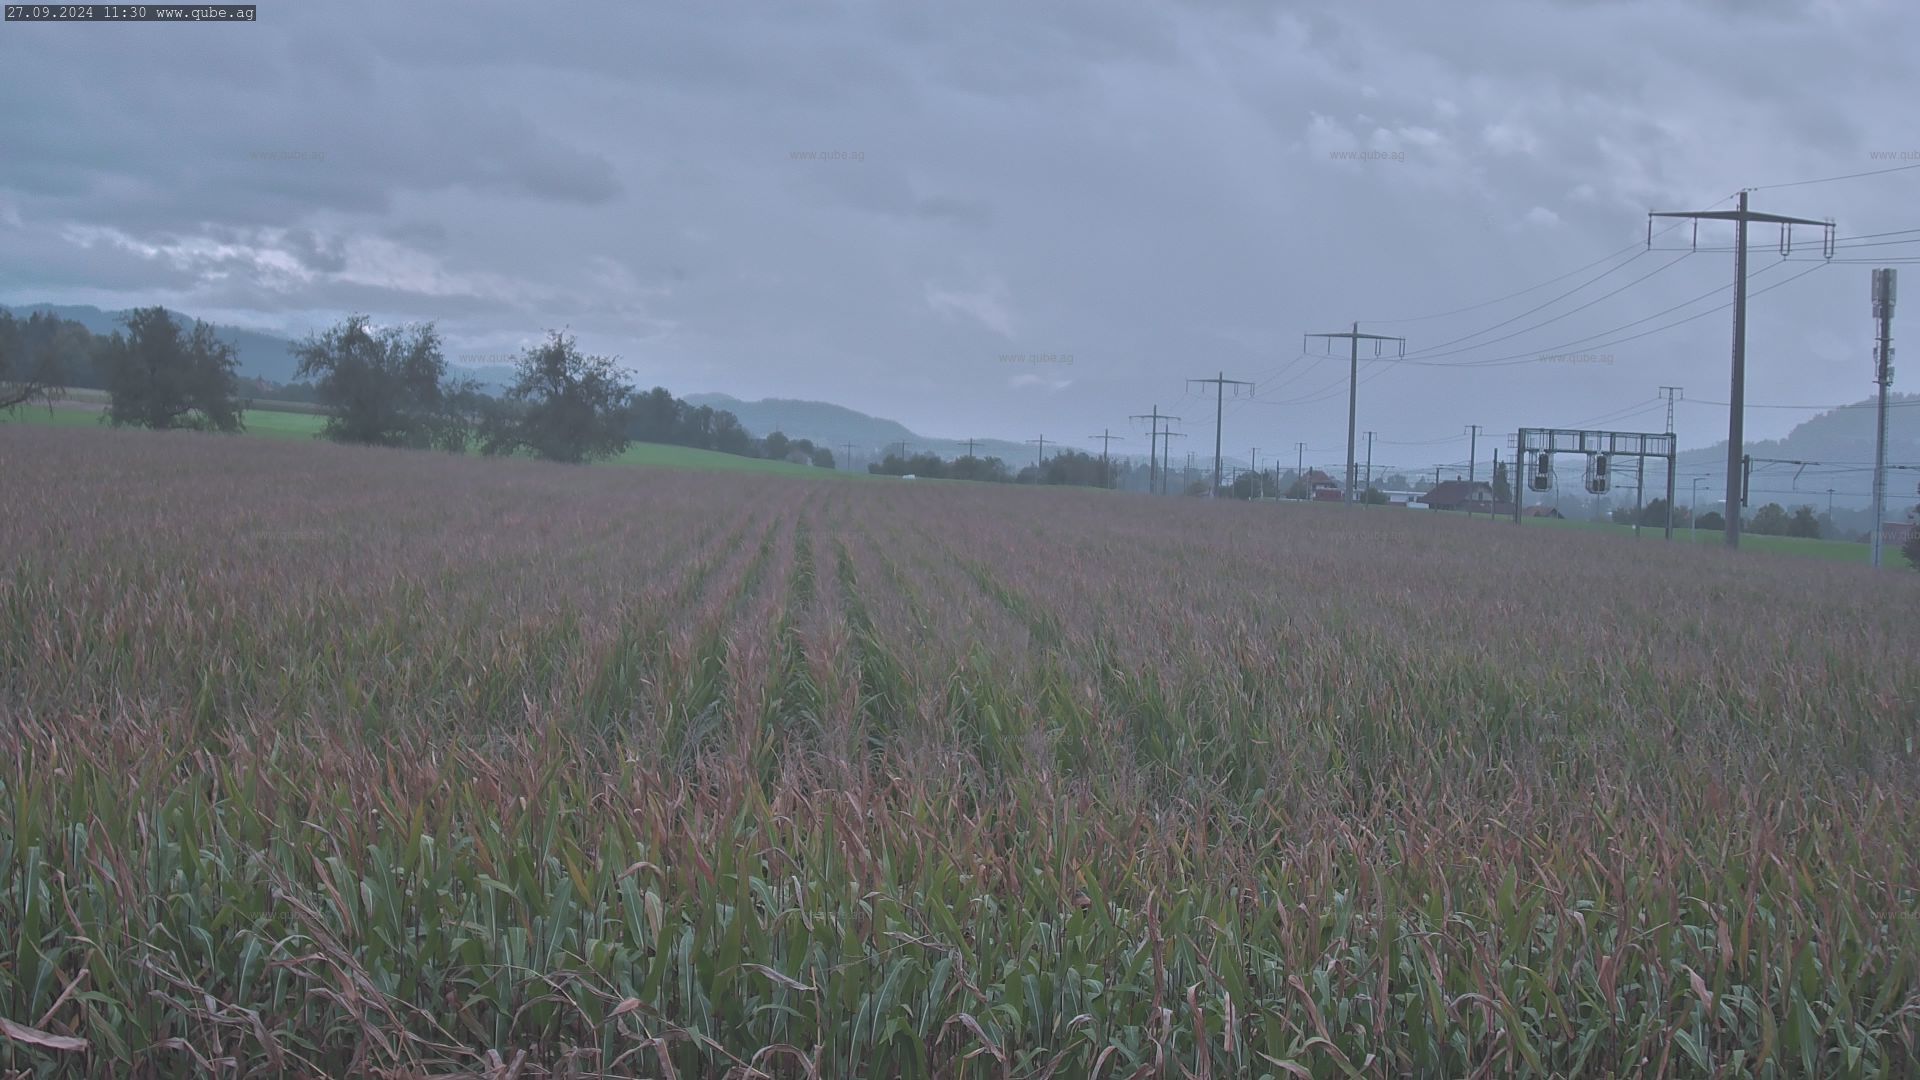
(1118, 180)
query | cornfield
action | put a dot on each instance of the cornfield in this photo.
(331, 761)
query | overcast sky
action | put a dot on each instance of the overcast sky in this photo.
(1151, 191)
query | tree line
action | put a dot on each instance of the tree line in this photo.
(1065, 467)
(377, 386)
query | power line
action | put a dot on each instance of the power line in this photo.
(1282, 369)
(1838, 245)
(1619, 414)
(1532, 356)
(1909, 402)
(1831, 179)
(1424, 442)
(1428, 356)
(1532, 288)
(1437, 349)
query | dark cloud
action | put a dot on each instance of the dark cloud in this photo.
(1153, 189)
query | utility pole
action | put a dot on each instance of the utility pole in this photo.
(1369, 463)
(1042, 459)
(1737, 399)
(1883, 296)
(1166, 459)
(1473, 450)
(1220, 383)
(1153, 442)
(1353, 385)
(1693, 509)
(847, 447)
(1106, 469)
(970, 445)
(1253, 466)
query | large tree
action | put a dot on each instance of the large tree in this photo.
(161, 377)
(1250, 485)
(1804, 524)
(1769, 520)
(655, 416)
(727, 436)
(468, 416)
(990, 469)
(565, 406)
(1654, 514)
(29, 370)
(381, 387)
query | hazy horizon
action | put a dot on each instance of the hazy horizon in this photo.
(1002, 222)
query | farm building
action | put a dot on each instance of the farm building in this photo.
(1894, 534)
(1469, 495)
(1322, 487)
(1541, 512)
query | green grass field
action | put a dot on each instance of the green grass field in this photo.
(1831, 550)
(281, 424)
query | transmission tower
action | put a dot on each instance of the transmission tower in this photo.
(1042, 459)
(1220, 383)
(1156, 433)
(1737, 399)
(1106, 467)
(1353, 386)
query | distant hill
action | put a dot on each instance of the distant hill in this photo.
(261, 355)
(834, 426)
(1841, 436)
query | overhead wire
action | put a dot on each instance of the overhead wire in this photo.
(1437, 350)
